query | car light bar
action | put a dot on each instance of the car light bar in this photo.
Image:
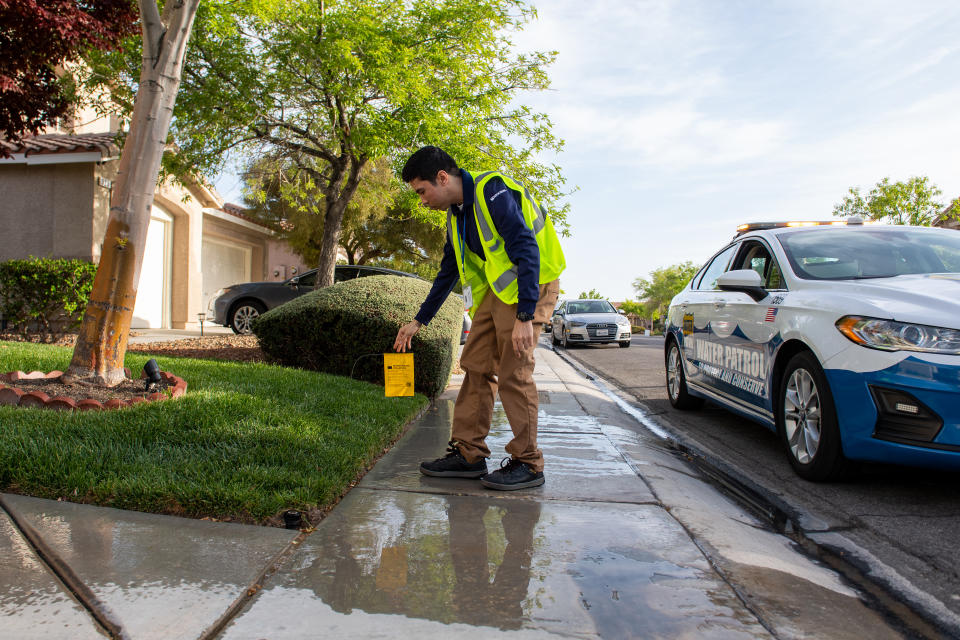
(757, 226)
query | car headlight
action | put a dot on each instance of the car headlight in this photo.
(623, 322)
(890, 335)
(577, 323)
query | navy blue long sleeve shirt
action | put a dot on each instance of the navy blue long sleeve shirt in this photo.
(521, 245)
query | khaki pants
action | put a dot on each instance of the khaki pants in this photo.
(489, 365)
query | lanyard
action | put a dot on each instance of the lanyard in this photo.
(463, 264)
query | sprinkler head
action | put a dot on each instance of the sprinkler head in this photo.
(292, 519)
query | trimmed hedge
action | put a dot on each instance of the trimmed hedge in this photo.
(343, 329)
(46, 294)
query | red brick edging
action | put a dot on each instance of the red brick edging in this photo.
(13, 396)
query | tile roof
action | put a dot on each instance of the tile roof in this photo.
(105, 143)
(238, 211)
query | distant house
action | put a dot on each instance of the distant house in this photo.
(948, 218)
(55, 195)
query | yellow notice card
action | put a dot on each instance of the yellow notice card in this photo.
(397, 374)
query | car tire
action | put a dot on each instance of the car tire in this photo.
(677, 391)
(564, 341)
(243, 314)
(625, 344)
(553, 338)
(807, 421)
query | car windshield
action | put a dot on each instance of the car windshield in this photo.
(852, 254)
(590, 306)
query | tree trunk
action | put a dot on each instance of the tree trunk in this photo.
(333, 224)
(102, 343)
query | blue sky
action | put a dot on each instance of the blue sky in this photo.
(685, 118)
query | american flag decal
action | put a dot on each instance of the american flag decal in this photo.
(771, 314)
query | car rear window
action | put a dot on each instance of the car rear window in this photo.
(851, 254)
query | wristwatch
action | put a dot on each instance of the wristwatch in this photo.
(523, 316)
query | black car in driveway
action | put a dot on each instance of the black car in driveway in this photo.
(237, 305)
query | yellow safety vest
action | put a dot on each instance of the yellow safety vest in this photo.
(496, 271)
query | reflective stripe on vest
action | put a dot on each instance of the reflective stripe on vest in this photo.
(507, 278)
(485, 231)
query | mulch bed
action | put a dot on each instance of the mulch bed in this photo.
(125, 391)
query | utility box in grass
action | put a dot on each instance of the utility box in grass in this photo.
(345, 328)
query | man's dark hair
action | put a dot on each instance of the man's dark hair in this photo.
(426, 163)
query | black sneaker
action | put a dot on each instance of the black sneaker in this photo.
(454, 465)
(512, 475)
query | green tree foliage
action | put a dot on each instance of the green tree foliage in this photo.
(593, 294)
(37, 37)
(382, 224)
(632, 308)
(328, 87)
(913, 202)
(664, 283)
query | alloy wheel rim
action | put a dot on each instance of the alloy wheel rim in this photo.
(802, 416)
(244, 317)
(673, 379)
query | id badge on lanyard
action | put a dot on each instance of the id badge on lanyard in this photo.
(467, 289)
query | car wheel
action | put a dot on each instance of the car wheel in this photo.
(625, 344)
(807, 421)
(564, 340)
(677, 392)
(553, 338)
(241, 318)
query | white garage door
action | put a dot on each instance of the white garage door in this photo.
(152, 309)
(223, 264)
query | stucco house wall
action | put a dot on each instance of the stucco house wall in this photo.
(53, 210)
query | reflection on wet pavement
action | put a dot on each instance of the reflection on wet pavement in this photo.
(33, 603)
(580, 465)
(160, 577)
(576, 570)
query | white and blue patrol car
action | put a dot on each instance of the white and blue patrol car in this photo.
(842, 337)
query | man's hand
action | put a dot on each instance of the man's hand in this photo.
(523, 337)
(404, 339)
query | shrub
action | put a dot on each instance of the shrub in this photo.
(341, 329)
(46, 294)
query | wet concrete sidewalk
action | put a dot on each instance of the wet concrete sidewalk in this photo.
(625, 540)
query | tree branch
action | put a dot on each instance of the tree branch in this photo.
(152, 28)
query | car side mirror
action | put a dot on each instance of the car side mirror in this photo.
(621, 312)
(745, 281)
(294, 282)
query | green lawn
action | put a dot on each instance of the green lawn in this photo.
(246, 442)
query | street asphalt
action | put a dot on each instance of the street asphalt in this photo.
(625, 540)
